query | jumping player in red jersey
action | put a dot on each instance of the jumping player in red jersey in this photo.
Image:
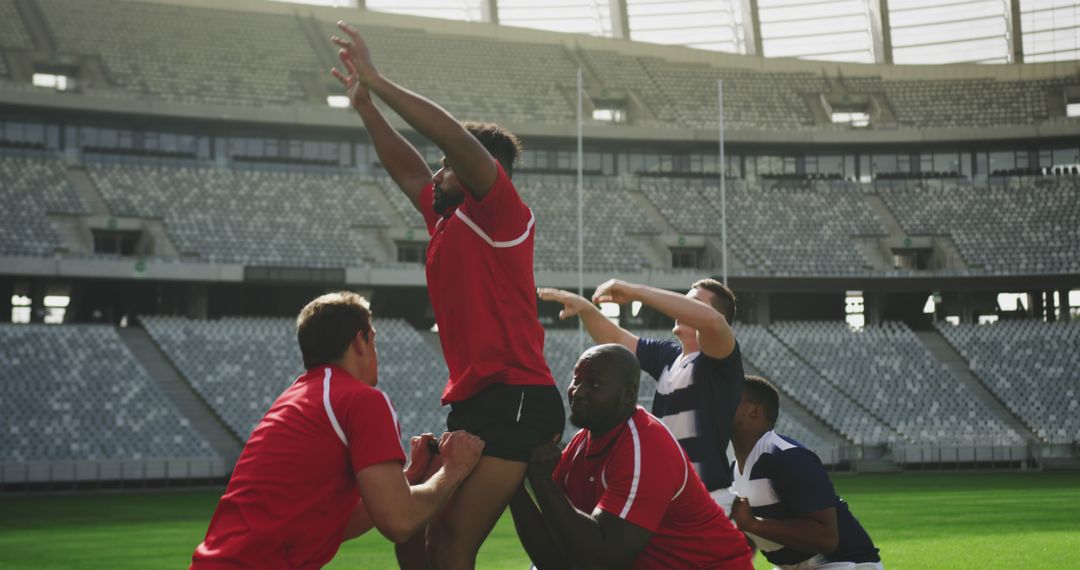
(325, 463)
(623, 494)
(480, 282)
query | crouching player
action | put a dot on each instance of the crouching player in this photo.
(786, 502)
(623, 494)
(325, 463)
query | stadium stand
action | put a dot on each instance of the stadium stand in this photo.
(214, 56)
(241, 365)
(12, 32)
(508, 81)
(1031, 367)
(187, 55)
(77, 393)
(249, 217)
(610, 220)
(886, 370)
(772, 233)
(31, 189)
(1015, 225)
(792, 375)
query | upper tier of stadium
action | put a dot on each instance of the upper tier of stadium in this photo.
(264, 61)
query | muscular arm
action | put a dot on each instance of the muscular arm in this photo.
(599, 539)
(397, 155)
(815, 533)
(714, 334)
(468, 158)
(599, 327)
(533, 532)
(399, 509)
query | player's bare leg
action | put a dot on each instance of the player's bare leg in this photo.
(456, 535)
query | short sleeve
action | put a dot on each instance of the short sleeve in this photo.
(639, 487)
(801, 481)
(371, 428)
(427, 207)
(655, 355)
(501, 217)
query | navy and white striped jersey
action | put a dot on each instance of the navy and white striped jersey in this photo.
(784, 480)
(696, 397)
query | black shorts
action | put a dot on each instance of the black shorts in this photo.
(511, 420)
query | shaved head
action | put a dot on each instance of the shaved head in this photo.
(616, 362)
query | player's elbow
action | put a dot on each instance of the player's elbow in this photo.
(397, 530)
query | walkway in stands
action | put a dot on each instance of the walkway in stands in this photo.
(958, 366)
(190, 405)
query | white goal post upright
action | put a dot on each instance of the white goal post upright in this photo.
(580, 206)
(723, 186)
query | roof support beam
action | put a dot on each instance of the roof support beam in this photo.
(489, 11)
(881, 30)
(620, 19)
(752, 27)
(1016, 36)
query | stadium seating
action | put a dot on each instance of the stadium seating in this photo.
(770, 225)
(816, 392)
(241, 365)
(30, 189)
(249, 217)
(478, 78)
(1016, 225)
(12, 32)
(1031, 367)
(77, 393)
(215, 56)
(609, 220)
(888, 372)
(187, 55)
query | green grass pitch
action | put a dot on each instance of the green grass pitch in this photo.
(978, 521)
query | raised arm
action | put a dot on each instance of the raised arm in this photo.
(398, 156)
(600, 328)
(598, 539)
(714, 334)
(468, 158)
(397, 509)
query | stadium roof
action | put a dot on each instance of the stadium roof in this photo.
(862, 31)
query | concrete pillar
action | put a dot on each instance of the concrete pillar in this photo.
(872, 308)
(762, 309)
(198, 301)
(1063, 305)
(753, 34)
(620, 20)
(1016, 38)
(880, 31)
(489, 11)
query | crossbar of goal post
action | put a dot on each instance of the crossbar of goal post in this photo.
(723, 186)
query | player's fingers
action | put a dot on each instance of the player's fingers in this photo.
(349, 65)
(341, 42)
(340, 76)
(348, 29)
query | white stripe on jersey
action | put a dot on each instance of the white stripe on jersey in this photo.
(329, 409)
(637, 469)
(468, 221)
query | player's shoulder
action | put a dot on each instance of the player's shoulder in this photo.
(788, 452)
(651, 433)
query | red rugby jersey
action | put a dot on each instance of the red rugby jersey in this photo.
(480, 281)
(294, 486)
(640, 473)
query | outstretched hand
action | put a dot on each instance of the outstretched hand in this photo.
(572, 304)
(614, 291)
(356, 57)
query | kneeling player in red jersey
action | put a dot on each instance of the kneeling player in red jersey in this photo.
(623, 494)
(325, 463)
(480, 281)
